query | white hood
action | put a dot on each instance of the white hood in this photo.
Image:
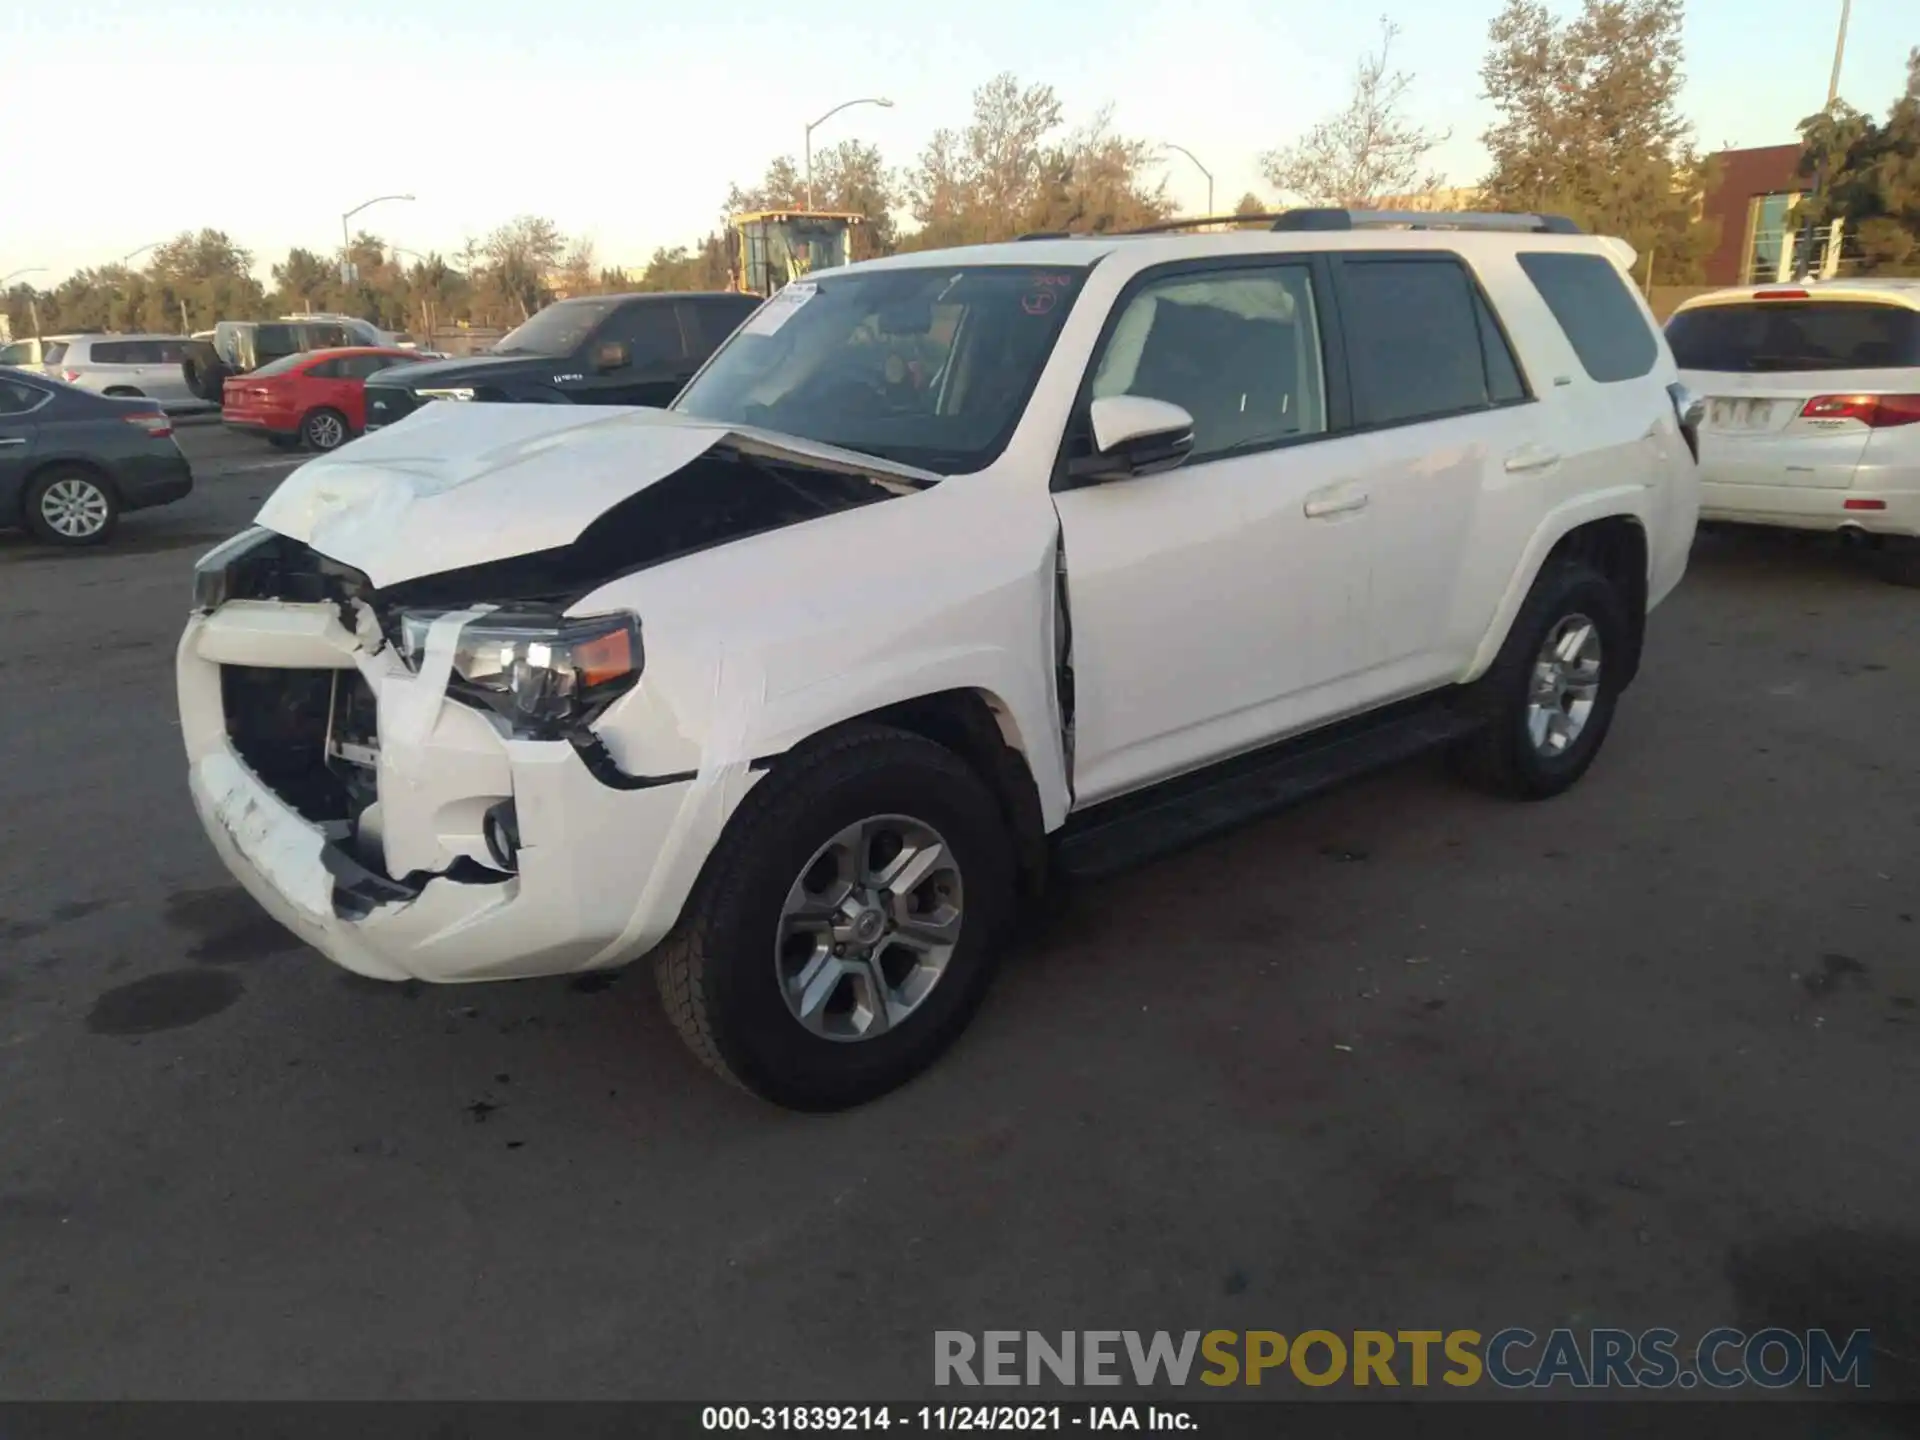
(460, 484)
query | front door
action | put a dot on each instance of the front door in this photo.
(638, 357)
(1222, 604)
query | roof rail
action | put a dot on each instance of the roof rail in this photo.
(1339, 219)
(1048, 235)
(1166, 227)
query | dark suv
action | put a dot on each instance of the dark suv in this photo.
(594, 350)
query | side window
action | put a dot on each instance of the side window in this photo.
(328, 370)
(169, 352)
(1239, 350)
(651, 330)
(710, 322)
(112, 352)
(17, 399)
(362, 366)
(327, 337)
(1589, 297)
(1413, 340)
(18, 353)
(54, 353)
(1504, 385)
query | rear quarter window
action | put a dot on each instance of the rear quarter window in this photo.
(1768, 335)
(1605, 325)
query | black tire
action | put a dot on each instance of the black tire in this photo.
(717, 972)
(324, 429)
(124, 392)
(1502, 757)
(204, 371)
(99, 495)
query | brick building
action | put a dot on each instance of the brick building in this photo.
(1752, 199)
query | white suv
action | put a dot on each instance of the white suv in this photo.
(947, 570)
(1812, 418)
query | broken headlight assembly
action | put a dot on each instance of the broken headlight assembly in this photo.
(545, 675)
(215, 571)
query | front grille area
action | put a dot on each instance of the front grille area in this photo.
(284, 723)
(387, 404)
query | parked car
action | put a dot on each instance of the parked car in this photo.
(1813, 409)
(135, 366)
(316, 399)
(239, 347)
(596, 350)
(72, 462)
(948, 571)
(34, 353)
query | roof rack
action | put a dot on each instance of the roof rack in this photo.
(1049, 235)
(1338, 219)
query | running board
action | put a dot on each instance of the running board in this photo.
(1177, 813)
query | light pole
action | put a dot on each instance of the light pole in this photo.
(1820, 172)
(141, 251)
(843, 105)
(346, 240)
(1169, 145)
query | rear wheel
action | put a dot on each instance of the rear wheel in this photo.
(1900, 563)
(324, 429)
(1550, 696)
(70, 506)
(847, 927)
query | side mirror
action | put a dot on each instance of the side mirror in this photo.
(612, 355)
(1133, 435)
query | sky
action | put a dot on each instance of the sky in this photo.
(625, 120)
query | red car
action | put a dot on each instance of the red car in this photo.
(316, 399)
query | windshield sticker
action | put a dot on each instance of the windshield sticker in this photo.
(1037, 302)
(768, 319)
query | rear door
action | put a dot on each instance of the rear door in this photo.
(1790, 383)
(18, 433)
(165, 380)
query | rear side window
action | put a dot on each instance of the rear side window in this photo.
(1795, 335)
(1414, 342)
(54, 353)
(17, 399)
(113, 352)
(1504, 385)
(270, 342)
(1589, 297)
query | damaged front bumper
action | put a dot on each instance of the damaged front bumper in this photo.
(402, 883)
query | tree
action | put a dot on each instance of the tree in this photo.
(1868, 174)
(303, 281)
(1368, 152)
(204, 274)
(518, 259)
(1589, 125)
(1011, 171)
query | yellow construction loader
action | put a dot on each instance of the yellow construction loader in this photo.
(771, 248)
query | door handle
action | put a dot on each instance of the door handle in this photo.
(1335, 502)
(1531, 458)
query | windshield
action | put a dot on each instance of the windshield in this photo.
(926, 366)
(1795, 335)
(558, 330)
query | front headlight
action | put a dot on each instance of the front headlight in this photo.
(540, 672)
(456, 392)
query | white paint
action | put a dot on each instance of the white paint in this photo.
(1215, 607)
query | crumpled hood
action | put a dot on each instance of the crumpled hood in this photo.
(462, 484)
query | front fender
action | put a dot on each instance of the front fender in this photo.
(1634, 502)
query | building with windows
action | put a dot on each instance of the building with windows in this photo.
(1753, 198)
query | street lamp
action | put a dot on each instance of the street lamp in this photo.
(346, 240)
(141, 251)
(1169, 145)
(843, 105)
(1809, 231)
(30, 270)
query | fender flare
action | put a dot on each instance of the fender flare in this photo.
(1628, 502)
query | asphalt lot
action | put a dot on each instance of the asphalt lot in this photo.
(1646, 1055)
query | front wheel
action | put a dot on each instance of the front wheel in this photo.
(324, 430)
(847, 928)
(1549, 697)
